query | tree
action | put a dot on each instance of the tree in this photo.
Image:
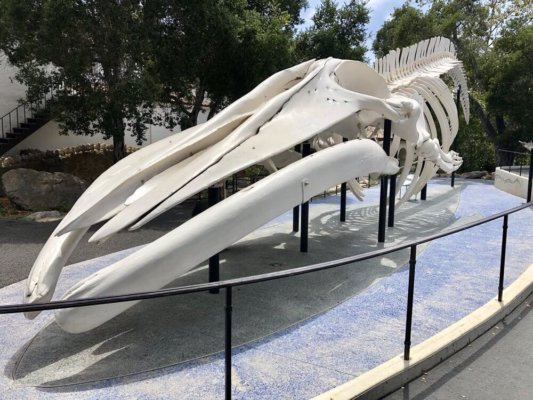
(291, 7)
(406, 26)
(336, 32)
(209, 53)
(93, 54)
(508, 76)
(474, 26)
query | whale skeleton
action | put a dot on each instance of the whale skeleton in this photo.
(321, 101)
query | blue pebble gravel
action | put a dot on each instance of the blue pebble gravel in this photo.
(454, 276)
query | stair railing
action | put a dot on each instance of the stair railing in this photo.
(12, 119)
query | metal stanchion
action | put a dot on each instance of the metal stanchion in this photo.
(410, 298)
(423, 193)
(304, 231)
(227, 344)
(213, 197)
(384, 185)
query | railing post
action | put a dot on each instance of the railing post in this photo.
(502, 261)
(424, 192)
(453, 179)
(227, 344)
(530, 177)
(384, 185)
(410, 296)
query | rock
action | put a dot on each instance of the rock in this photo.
(474, 174)
(33, 190)
(45, 216)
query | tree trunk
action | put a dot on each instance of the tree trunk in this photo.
(119, 146)
(489, 129)
(213, 109)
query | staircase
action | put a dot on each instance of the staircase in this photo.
(22, 121)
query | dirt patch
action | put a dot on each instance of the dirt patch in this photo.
(8, 210)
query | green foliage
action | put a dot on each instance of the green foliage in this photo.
(290, 7)
(508, 77)
(407, 26)
(336, 32)
(471, 143)
(112, 63)
(209, 53)
(494, 41)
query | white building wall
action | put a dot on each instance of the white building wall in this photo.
(48, 138)
(10, 91)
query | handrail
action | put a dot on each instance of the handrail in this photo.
(513, 166)
(25, 105)
(514, 152)
(17, 308)
(230, 283)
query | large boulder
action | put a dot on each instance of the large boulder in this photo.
(474, 174)
(33, 190)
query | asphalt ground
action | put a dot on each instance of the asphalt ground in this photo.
(498, 365)
(21, 241)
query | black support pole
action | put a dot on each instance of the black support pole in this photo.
(410, 297)
(343, 202)
(392, 200)
(227, 344)
(424, 192)
(213, 197)
(530, 177)
(502, 261)
(384, 186)
(304, 231)
(296, 219)
(343, 197)
(457, 105)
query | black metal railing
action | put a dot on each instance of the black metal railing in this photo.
(230, 283)
(513, 161)
(518, 161)
(20, 114)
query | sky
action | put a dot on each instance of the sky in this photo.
(380, 10)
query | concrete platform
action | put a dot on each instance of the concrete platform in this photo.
(295, 338)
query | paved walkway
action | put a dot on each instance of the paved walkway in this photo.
(291, 342)
(498, 365)
(21, 241)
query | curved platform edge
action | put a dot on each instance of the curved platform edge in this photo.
(393, 374)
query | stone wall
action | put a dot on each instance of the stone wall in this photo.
(85, 161)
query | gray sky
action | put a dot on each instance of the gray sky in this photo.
(380, 10)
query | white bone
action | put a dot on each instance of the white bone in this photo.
(320, 101)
